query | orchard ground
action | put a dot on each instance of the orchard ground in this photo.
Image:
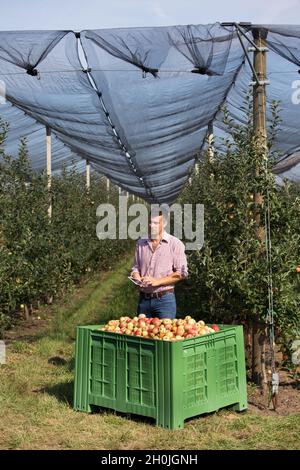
(36, 389)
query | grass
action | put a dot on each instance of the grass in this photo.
(36, 395)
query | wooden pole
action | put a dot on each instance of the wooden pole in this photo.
(259, 115)
(107, 188)
(49, 169)
(260, 133)
(211, 150)
(88, 174)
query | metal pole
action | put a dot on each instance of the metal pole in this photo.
(88, 174)
(49, 172)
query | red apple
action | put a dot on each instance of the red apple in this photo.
(215, 327)
(180, 331)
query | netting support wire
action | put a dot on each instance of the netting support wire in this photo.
(248, 58)
(240, 30)
(88, 174)
(129, 158)
(49, 168)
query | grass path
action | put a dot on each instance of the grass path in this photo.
(36, 396)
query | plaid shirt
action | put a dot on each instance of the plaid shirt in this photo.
(168, 257)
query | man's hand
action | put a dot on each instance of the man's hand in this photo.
(136, 275)
(150, 281)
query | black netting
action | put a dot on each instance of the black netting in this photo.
(137, 102)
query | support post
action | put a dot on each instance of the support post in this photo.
(211, 150)
(107, 188)
(88, 175)
(260, 133)
(49, 168)
(259, 115)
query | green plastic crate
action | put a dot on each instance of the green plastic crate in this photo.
(168, 381)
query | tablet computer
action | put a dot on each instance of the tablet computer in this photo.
(136, 281)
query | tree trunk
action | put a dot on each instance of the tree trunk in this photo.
(26, 312)
(248, 346)
(259, 342)
(256, 354)
(263, 339)
(49, 299)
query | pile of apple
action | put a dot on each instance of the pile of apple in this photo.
(166, 329)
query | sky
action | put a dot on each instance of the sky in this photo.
(97, 14)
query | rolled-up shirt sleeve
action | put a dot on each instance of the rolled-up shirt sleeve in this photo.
(179, 260)
(136, 266)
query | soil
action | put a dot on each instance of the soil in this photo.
(288, 398)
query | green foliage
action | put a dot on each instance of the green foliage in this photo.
(40, 259)
(229, 275)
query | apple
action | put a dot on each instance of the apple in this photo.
(215, 327)
(166, 329)
(180, 331)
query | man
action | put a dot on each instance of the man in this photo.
(160, 262)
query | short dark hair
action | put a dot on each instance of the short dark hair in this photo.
(160, 212)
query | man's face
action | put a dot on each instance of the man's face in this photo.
(156, 226)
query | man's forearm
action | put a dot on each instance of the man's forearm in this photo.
(169, 280)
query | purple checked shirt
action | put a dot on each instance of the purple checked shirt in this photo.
(168, 257)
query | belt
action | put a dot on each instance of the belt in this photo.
(148, 295)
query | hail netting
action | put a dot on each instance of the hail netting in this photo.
(141, 110)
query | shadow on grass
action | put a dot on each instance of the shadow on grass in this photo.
(63, 392)
(129, 416)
